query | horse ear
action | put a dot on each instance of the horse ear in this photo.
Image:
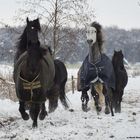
(27, 20)
(37, 19)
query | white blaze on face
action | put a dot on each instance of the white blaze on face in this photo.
(91, 35)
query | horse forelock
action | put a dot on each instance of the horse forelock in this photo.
(99, 34)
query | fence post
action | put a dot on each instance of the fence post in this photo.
(73, 84)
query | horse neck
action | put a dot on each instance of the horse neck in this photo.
(118, 65)
(94, 53)
(33, 61)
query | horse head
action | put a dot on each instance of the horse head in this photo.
(32, 29)
(30, 34)
(118, 58)
(94, 34)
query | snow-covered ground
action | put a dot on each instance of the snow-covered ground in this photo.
(77, 125)
(6, 71)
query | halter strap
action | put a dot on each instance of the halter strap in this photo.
(27, 80)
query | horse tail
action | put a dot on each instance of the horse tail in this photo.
(63, 97)
(60, 80)
(99, 89)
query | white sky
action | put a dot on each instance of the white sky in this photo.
(122, 13)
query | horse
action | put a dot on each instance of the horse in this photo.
(121, 79)
(58, 87)
(96, 72)
(60, 80)
(34, 75)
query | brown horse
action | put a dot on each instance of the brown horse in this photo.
(121, 79)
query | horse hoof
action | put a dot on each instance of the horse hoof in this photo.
(107, 111)
(85, 108)
(117, 111)
(34, 125)
(43, 115)
(51, 110)
(25, 116)
(99, 108)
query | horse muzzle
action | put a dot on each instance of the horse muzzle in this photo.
(89, 41)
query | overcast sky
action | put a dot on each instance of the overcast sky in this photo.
(122, 13)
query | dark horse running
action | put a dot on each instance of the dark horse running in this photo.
(121, 79)
(34, 75)
(96, 72)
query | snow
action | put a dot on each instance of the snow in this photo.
(72, 72)
(78, 125)
(6, 71)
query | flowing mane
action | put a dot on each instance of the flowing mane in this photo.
(99, 34)
(22, 42)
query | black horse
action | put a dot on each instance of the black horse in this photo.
(121, 79)
(96, 72)
(34, 75)
(58, 88)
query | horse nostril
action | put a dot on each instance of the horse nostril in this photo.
(89, 41)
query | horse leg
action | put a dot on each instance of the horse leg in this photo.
(114, 99)
(84, 99)
(53, 103)
(119, 101)
(122, 92)
(34, 112)
(24, 115)
(95, 96)
(53, 98)
(43, 112)
(108, 101)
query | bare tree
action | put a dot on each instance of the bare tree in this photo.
(57, 15)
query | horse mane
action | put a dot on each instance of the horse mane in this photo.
(22, 41)
(99, 34)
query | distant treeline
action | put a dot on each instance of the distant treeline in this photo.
(73, 47)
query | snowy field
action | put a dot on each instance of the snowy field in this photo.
(76, 125)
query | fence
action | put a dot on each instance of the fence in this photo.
(71, 84)
(8, 88)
